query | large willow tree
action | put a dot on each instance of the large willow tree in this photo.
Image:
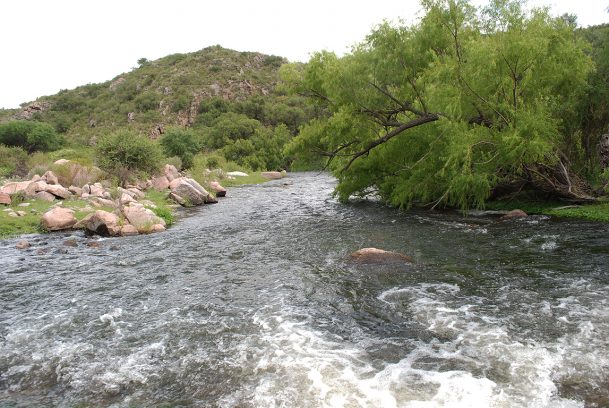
(465, 105)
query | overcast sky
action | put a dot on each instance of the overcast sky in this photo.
(48, 45)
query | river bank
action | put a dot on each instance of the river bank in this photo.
(30, 204)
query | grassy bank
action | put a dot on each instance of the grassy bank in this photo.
(591, 212)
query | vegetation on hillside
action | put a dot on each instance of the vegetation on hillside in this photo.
(468, 105)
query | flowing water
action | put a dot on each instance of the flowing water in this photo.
(251, 303)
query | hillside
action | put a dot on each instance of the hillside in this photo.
(159, 94)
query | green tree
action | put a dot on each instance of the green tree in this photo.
(452, 111)
(183, 143)
(126, 154)
(31, 136)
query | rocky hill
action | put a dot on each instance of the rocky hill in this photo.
(158, 94)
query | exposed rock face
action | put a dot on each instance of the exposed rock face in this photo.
(378, 256)
(5, 199)
(218, 189)
(142, 218)
(31, 109)
(514, 214)
(57, 219)
(156, 131)
(160, 183)
(272, 175)
(101, 222)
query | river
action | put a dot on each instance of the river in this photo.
(251, 303)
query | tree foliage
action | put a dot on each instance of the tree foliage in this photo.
(182, 143)
(125, 154)
(448, 111)
(31, 136)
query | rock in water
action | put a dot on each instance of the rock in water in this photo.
(218, 189)
(101, 222)
(378, 256)
(514, 214)
(57, 219)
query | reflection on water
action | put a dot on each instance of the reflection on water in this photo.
(250, 303)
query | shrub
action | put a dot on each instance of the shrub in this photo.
(182, 143)
(13, 161)
(32, 136)
(147, 101)
(124, 154)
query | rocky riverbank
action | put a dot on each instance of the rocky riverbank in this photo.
(141, 208)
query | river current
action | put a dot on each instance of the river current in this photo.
(251, 303)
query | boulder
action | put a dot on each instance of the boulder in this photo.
(77, 191)
(50, 177)
(44, 196)
(158, 228)
(58, 218)
(160, 183)
(58, 191)
(61, 162)
(15, 186)
(378, 256)
(191, 191)
(171, 172)
(96, 190)
(218, 189)
(5, 199)
(126, 199)
(177, 199)
(272, 175)
(101, 222)
(514, 214)
(128, 230)
(141, 218)
(236, 174)
(34, 187)
(135, 193)
(101, 202)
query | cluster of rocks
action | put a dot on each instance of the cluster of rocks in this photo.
(130, 213)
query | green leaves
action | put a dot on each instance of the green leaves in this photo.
(504, 84)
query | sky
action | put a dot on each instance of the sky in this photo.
(49, 45)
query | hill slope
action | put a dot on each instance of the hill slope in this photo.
(160, 93)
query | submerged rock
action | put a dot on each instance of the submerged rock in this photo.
(514, 214)
(22, 245)
(378, 256)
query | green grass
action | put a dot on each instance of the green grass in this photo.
(591, 212)
(251, 178)
(162, 203)
(30, 223)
